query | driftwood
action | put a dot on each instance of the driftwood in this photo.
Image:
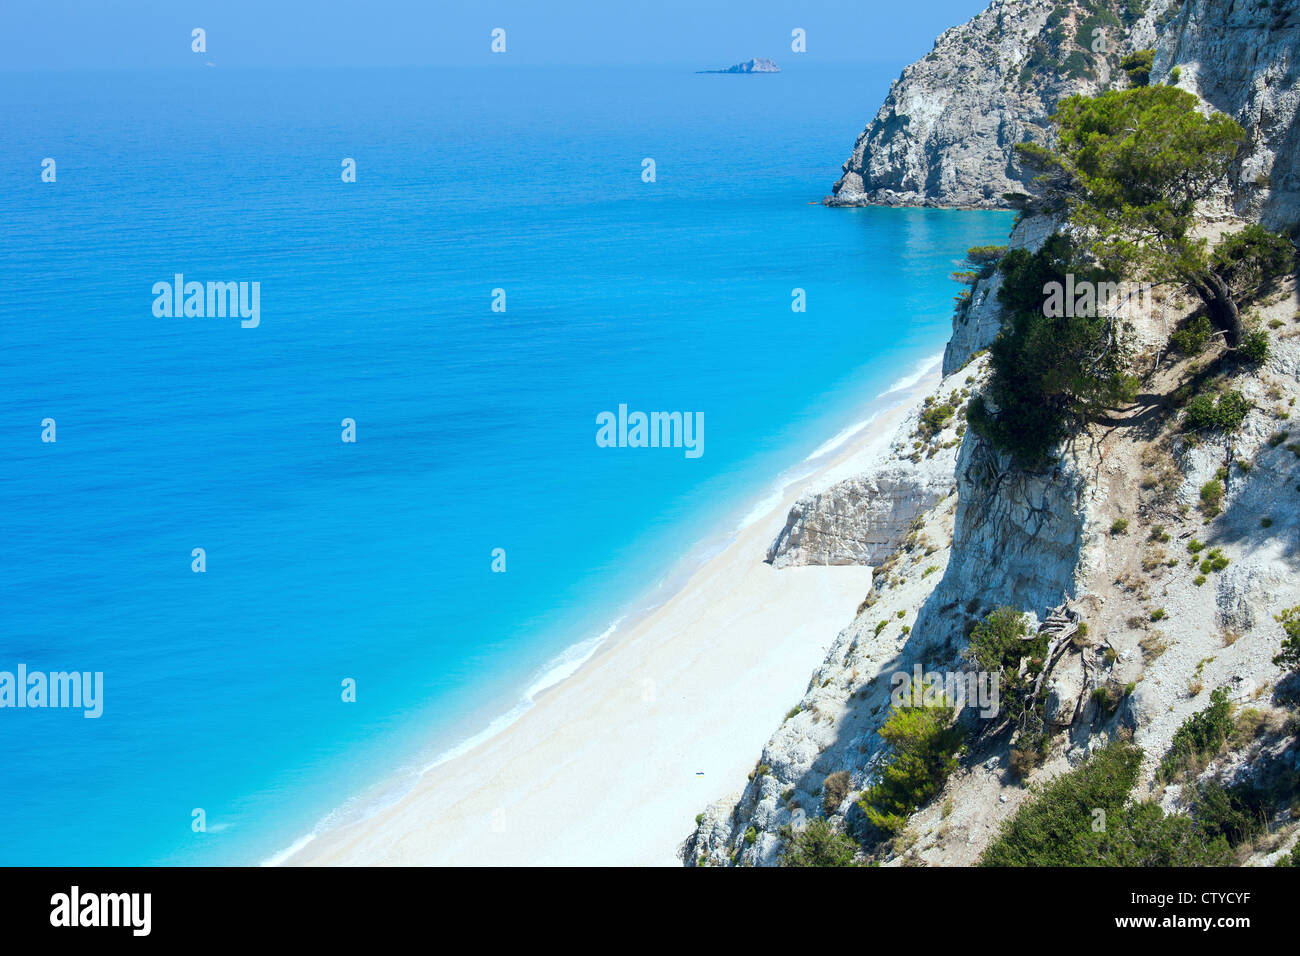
(1062, 624)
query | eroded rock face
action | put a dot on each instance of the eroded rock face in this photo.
(863, 520)
(977, 326)
(945, 133)
(1018, 538)
(1244, 60)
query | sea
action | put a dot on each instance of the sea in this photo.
(316, 547)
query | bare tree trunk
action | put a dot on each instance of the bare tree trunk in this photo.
(1220, 305)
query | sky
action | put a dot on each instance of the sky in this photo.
(702, 34)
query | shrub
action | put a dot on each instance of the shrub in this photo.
(998, 644)
(923, 755)
(1119, 526)
(1055, 827)
(1193, 336)
(1236, 813)
(1205, 413)
(1211, 498)
(1216, 560)
(1029, 754)
(819, 844)
(834, 789)
(935, 418)
(1253, 256)
(984, 258)
(1254, 347)
(1199, 736)
(1289, 657)
(1061, 824)
(1138, 66)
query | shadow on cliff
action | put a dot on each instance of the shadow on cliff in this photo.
(1263, 512)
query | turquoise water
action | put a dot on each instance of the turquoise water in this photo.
(475, 429)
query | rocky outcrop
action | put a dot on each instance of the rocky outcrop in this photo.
(946, 132)
(864, 519)
(759, 64)
(976, 325)
(1244, 60)
(1018, 536)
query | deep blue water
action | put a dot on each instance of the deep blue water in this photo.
(475, 429)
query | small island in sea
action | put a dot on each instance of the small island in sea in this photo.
(759, 64)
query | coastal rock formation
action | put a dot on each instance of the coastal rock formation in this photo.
(759, 64)
(1031, 540)
(1180, 596)
(975, 326)
(864, 519)
(1019, 535)
(946, 131)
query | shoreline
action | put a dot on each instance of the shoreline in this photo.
(694, 611)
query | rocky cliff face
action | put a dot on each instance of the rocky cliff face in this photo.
(864, 519)
(975, 326)
(1112, 529)
(945, 133)
(1243, 58)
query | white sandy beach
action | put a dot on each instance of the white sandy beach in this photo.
(611, 765)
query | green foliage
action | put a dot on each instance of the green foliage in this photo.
(1216, 560)
(1078, 64)
(1062, 826)
(1049, 373)
(1055, 828)
(935, 418)
(1253, 256)
(1140, 160)
(985, 257)
(1224, 414)
(1254, 347)
(1211, 498)
(1200, 736)
(1138, 66)
(819, 844)
(924, 746)
(1289, 657)
(1130, 167)
(1234, 814)
(997, 646)
(1193, 336)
